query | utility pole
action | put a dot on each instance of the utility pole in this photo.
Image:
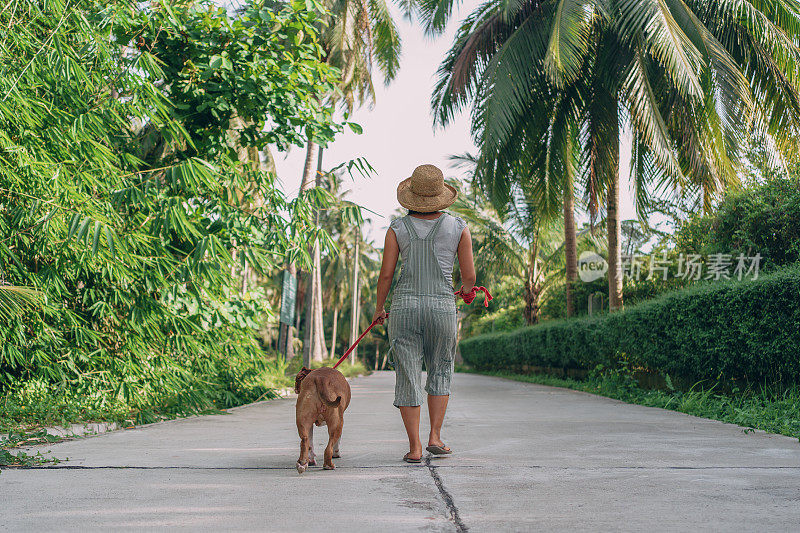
(356, 311)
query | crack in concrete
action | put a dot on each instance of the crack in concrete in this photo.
(448, 499)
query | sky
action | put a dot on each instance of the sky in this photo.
(398, 132)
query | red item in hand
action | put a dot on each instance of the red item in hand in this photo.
(470, 296)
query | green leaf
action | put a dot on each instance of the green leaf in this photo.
(112, 247)
(356, 128)
(84, 229)
(96, 237)
(73, 226)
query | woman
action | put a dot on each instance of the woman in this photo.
(422, 322)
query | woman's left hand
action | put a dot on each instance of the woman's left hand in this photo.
(380, 316)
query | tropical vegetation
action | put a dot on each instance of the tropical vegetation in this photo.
(552, 86)
(354, 36)
(144, 236)
(714, 332)
(138, 208)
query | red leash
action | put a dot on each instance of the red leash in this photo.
(339, 362)
(468, 297)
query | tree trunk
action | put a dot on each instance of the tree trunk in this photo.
(308, 168)
(318, 348)
(333, 335)
(288, 333)
(301, 291)
(355, 312)
(570, 239)
(531, 285)
(314, 348)
(532, 292)
(614, 228)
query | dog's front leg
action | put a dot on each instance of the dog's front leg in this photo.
(312, 457)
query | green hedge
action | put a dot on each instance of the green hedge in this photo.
(730, 331)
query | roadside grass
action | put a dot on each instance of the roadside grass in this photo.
(771, 410)
(14, 440)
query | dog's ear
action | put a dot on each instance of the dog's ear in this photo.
(299, 379)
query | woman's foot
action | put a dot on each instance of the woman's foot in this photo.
(415, 453)
(439, 449)
(436, 440)
(410, 458)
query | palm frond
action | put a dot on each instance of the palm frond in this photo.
(387, 44)
(646, 115)
(508, 82)
(477, 40)
(651, 22)
(569, 40)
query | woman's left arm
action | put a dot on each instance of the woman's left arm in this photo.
(391, 250)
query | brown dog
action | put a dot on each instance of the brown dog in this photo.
(322, 397)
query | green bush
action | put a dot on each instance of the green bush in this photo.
(763, 218)
(744, 331)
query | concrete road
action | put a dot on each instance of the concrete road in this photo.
(528, 457)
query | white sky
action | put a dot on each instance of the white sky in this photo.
(398, 133)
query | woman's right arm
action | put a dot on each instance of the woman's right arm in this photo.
(391, 250)
(465, 261)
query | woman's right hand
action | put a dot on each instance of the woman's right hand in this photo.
(469, 295)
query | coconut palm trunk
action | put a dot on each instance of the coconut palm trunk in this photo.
(308, 167)
(314, 348)
(570, 242)
(532, 287)
(355, 309)
(614, 226)
(335, 327)
(318, 348)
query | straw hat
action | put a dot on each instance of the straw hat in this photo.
(425, 191)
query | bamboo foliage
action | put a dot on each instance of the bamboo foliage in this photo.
(122, 196)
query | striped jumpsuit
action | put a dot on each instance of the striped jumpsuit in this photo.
(422, 322)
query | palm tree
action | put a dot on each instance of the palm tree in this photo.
(337, 265)
(354, 36)
(551, 81)
(520, 243)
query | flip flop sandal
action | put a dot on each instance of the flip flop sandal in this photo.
(408, 459)
(439, 450)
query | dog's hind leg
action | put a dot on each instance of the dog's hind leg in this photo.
(312, 457)
(336, 454)
(334, 434)
(304, 431)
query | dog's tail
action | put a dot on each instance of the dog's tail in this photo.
(328, 397)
